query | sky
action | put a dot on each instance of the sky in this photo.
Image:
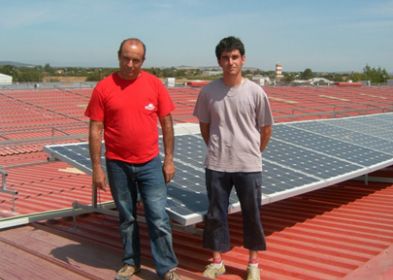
(323, 35)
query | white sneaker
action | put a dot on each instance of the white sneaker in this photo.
(253, 272)
(213, 270)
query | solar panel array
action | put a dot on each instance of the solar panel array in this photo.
(301, 157)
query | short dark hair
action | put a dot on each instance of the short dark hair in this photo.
(229, 44)
(136, 40)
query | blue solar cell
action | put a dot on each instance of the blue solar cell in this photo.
(352, 137)
(366, 126)
(276, 178)
(293, 135)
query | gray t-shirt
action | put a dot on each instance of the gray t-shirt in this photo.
(235, 115)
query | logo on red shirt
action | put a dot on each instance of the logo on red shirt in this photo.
(150, 107)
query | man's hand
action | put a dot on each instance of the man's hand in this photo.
(95, 135)
(99, 179)
(168, 169)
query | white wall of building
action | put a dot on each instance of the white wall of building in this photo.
(5, 79)
(170, 82)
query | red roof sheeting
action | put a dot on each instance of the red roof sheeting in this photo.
(342, 231)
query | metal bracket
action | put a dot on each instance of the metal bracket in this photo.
(4, 189)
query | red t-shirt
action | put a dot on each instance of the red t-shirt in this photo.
(129, 111)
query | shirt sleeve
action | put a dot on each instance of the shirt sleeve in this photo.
(165, 103)
(264, 112)
(201, 108)
(95, 108)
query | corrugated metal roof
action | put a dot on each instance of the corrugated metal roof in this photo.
(325, 234)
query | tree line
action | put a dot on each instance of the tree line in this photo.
(37, 73)
(372, 74)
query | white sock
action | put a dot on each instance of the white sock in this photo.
(217, 265)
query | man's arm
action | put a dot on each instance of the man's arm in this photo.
(266, 133)
(205, 131)
(95, 138)
(169, 142)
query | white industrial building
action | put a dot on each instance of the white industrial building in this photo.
(170, 82)
(261, 80)
(5, 79)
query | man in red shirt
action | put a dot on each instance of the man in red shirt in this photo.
(126, 106)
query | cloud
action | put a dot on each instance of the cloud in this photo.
(381, 9)
(20, 18)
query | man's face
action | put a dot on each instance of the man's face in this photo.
(231, 62)
(131, 60)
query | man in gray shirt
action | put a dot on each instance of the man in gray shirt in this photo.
(236, 124)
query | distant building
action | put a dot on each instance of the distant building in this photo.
(299, 82)
(313, 82)
(261, 80)
(197, 83)
(349, 84)
(320, 81)
(170, 82)
(5, 79)
(211, 72)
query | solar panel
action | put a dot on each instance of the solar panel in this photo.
(376, 128)
(342, 130)
(301, 156)
(306, 160)
(327, 145)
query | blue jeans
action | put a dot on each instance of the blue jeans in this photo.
(248, 188)
(125, 181)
